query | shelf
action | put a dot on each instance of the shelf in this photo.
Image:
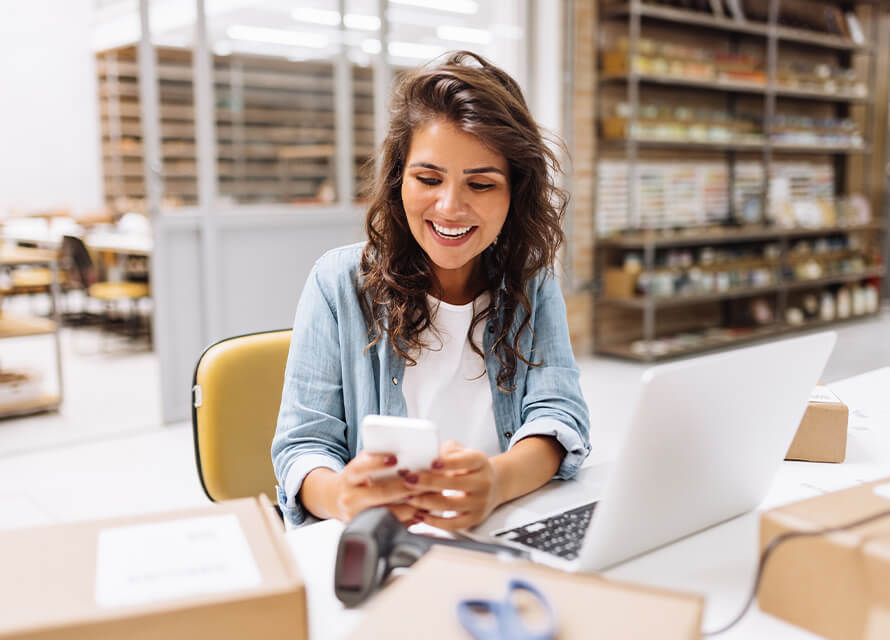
(677, 81)
(18, 326)
(697, 18)
(777, 147)
(813, 94)
(872, 272)
(618, 144)
(828, 41)
(724, 236)
(748, 335)
(680, 300)
(45, 402)
(702, 19)
(745, 335)
(715, 84)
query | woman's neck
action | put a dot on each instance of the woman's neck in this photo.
(459, 286)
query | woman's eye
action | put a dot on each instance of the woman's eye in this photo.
(429, 181)
(480, 186)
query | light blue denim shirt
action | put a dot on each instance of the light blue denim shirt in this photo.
(331, 381)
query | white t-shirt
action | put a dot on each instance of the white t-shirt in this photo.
(449, 385)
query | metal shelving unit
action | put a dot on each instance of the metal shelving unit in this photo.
(14, 326)
(274, 126)
(637, 13)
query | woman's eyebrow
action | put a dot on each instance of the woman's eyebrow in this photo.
(429, 165)
(485, 170)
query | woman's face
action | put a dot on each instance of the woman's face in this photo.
(456, 195)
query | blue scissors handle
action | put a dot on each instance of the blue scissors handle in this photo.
(507, 622)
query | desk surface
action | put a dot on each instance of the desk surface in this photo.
(136, 244)
(718, 563)
(26, 256)
(131, 244)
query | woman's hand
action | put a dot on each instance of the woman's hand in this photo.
(470, 480)
(355, 490)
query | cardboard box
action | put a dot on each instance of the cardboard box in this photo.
(620, 283)
(423, 602)
(822, 434)
(214, 572)
(836, 585)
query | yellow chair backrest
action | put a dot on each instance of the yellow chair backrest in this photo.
(236, 395)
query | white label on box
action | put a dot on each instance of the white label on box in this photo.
(882, 490)
(167, 560)
(823, 394)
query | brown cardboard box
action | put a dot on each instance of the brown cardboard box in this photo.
(822, 434)
(620, 283)
(836, 585)
(116, 578)
(423, 602)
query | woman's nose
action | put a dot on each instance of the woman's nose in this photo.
(449, 201)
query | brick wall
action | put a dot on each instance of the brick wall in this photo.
(581, 169)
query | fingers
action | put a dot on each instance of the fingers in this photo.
(425, 481)
(459, 502)
(460, 521)
(364, 464)
(404, 512)
(459, 459)
(385, 490)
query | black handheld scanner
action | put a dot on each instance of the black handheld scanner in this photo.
(375, 543)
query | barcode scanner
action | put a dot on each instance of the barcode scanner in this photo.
(375, 543)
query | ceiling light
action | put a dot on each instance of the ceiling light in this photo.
(468, 7)
(463, 34)
(371, 46)
(316, 16)
(277, 36)
(510, 31)
(414, 50)
(361, 22)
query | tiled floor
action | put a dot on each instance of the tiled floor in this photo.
(107, 454)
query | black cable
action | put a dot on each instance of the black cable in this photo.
(774, 543)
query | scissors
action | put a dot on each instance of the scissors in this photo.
(502, 620)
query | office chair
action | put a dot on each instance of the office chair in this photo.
(236, 394)
(79, 262)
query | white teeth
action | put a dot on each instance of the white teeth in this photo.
(450, 232)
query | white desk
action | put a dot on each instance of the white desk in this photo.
(125, 244)
(718, 563)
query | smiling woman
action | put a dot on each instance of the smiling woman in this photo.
(456, 195)
(449, 312)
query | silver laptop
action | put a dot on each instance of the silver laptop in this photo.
(707, 438)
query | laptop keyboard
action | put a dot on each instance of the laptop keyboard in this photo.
(560, 535)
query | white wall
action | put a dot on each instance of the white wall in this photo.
(49, 125)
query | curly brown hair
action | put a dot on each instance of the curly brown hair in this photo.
(396, 274)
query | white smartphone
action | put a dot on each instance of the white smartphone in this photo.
(414, 442)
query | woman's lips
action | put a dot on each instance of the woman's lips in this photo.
(449, 241)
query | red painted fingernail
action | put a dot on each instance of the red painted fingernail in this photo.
(403, 472)
(438, 464)
(411, 478)
(390, 460)
(418, 516)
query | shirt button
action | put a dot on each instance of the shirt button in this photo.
(395, 380)
(491, 328)
(508, 434)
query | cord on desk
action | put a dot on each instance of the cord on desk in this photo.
(773, 545)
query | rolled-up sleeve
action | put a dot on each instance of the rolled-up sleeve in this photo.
(311, 429)
(553, 404)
